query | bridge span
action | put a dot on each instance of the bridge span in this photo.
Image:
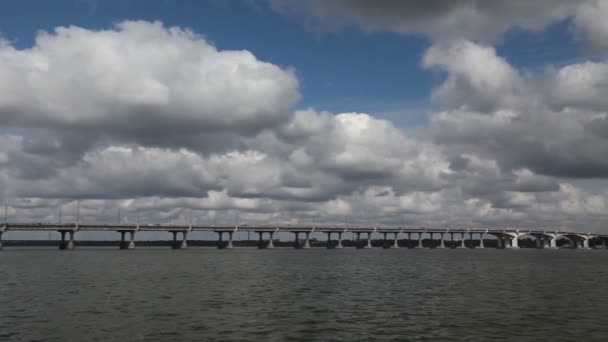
(505, 238)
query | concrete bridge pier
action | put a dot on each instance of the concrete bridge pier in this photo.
(585, 243)
(329, 245)
(339, 245)
(369, 241)
(296, 242)
(463, 241)
(420, 240)
(481, 244)
(306, 241)
(396, 242)
(123, 243)
(70, 243)
(472, 243)
(174, 244)
(515, 241)
(261, 244)
(499, 240)
(184, 243)
(122, 240)
(500, 243)
(230, 245)
(441, 242)
(131, 240)
(220, 242)
(179, 245)
(552, 240)
(62, 244)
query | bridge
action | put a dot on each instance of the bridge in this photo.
(505, 238)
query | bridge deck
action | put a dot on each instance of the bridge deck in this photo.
(323, 229)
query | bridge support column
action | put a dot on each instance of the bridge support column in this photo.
(586, 243)
(179, 245)
(420, 240)
(553, 242)
(481, 244)
(369, 241)
(463, 239)
(131, 244)
(220, 242)
(441, 242)
(62, 244)
(271, 240)
(396, 242)
(296, 242)
(515, 241)
(122, 240)
(174, 244)
(328, 245)
(307, 241)
(70, 243)
(384, 241)
(339, 245)
(499, 241)
(230, 245)
(184, 243)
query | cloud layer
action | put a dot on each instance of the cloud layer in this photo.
(481, 20)
(140, 82)
(156, 120)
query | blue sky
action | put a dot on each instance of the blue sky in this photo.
(343, 71)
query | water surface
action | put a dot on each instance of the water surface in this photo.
(204, 294)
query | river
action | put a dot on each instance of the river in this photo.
(245, 294)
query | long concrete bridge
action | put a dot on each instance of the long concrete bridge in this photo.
(505, 238)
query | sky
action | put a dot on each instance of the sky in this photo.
(461, 113)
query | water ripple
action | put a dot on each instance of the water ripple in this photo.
(315, 295)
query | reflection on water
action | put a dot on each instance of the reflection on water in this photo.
(203, 294)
